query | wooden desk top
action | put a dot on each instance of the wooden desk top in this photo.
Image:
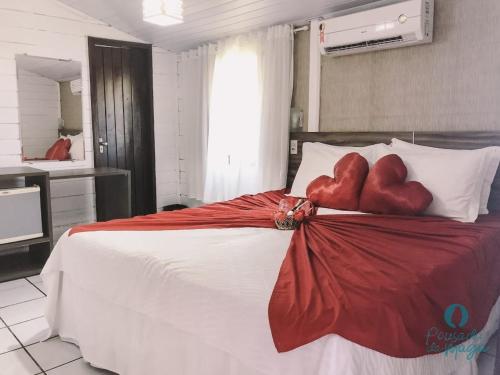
(12, 172)
(86, 172)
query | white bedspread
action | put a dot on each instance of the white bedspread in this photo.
(194, 302)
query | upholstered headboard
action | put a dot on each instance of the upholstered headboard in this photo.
(451, 140)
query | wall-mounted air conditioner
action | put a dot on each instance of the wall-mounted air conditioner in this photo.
(396, 25)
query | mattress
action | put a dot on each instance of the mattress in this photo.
(196, 302)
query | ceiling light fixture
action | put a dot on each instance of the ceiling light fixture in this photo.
(162, 12)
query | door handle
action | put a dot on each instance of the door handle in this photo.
(101, 145)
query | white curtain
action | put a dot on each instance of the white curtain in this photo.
(195, 76)
(277, 88)
(249, 114)
(235, 109)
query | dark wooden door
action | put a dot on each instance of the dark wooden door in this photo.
(122, 116)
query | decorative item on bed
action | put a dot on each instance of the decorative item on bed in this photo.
(436, 158)
(376, 287)
(387, 191)
(342, 191)
(292, 212)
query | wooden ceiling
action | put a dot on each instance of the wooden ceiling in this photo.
(207, 20)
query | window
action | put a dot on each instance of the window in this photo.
(235, 118)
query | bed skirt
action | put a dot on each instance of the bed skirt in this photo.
(124, 341)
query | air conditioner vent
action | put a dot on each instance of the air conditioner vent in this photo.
(365, 44)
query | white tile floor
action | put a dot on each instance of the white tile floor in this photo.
(22, 326)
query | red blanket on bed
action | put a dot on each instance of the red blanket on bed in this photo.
(384, 282)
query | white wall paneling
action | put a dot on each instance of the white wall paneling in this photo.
(10, 147)
(9, 131)
(48, 28)
(9, 115)
(7, 99)
(73, 203)
(314, 77)
(166, 130)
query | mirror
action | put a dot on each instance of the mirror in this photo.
(50, 109)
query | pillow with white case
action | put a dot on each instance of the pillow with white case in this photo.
(490, 167)
(77, 150)
(319, 159)
(455, 180)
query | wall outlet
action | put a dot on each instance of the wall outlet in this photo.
(294, 147)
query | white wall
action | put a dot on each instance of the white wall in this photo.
(47, 28)
(166, 129)
(451, 84)
(39, 112)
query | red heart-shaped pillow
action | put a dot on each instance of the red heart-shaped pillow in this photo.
(386, 192)
(343, 191)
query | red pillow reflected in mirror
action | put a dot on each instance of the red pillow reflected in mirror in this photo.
(59, 150)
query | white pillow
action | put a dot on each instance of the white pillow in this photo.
(331, 211)
(319, 159)
(489, 171)
(455, 180)
(77, 150)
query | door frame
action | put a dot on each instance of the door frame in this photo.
(148, 75)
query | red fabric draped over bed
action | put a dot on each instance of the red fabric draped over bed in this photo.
(383, 282)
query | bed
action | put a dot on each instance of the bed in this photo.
(196, 301)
